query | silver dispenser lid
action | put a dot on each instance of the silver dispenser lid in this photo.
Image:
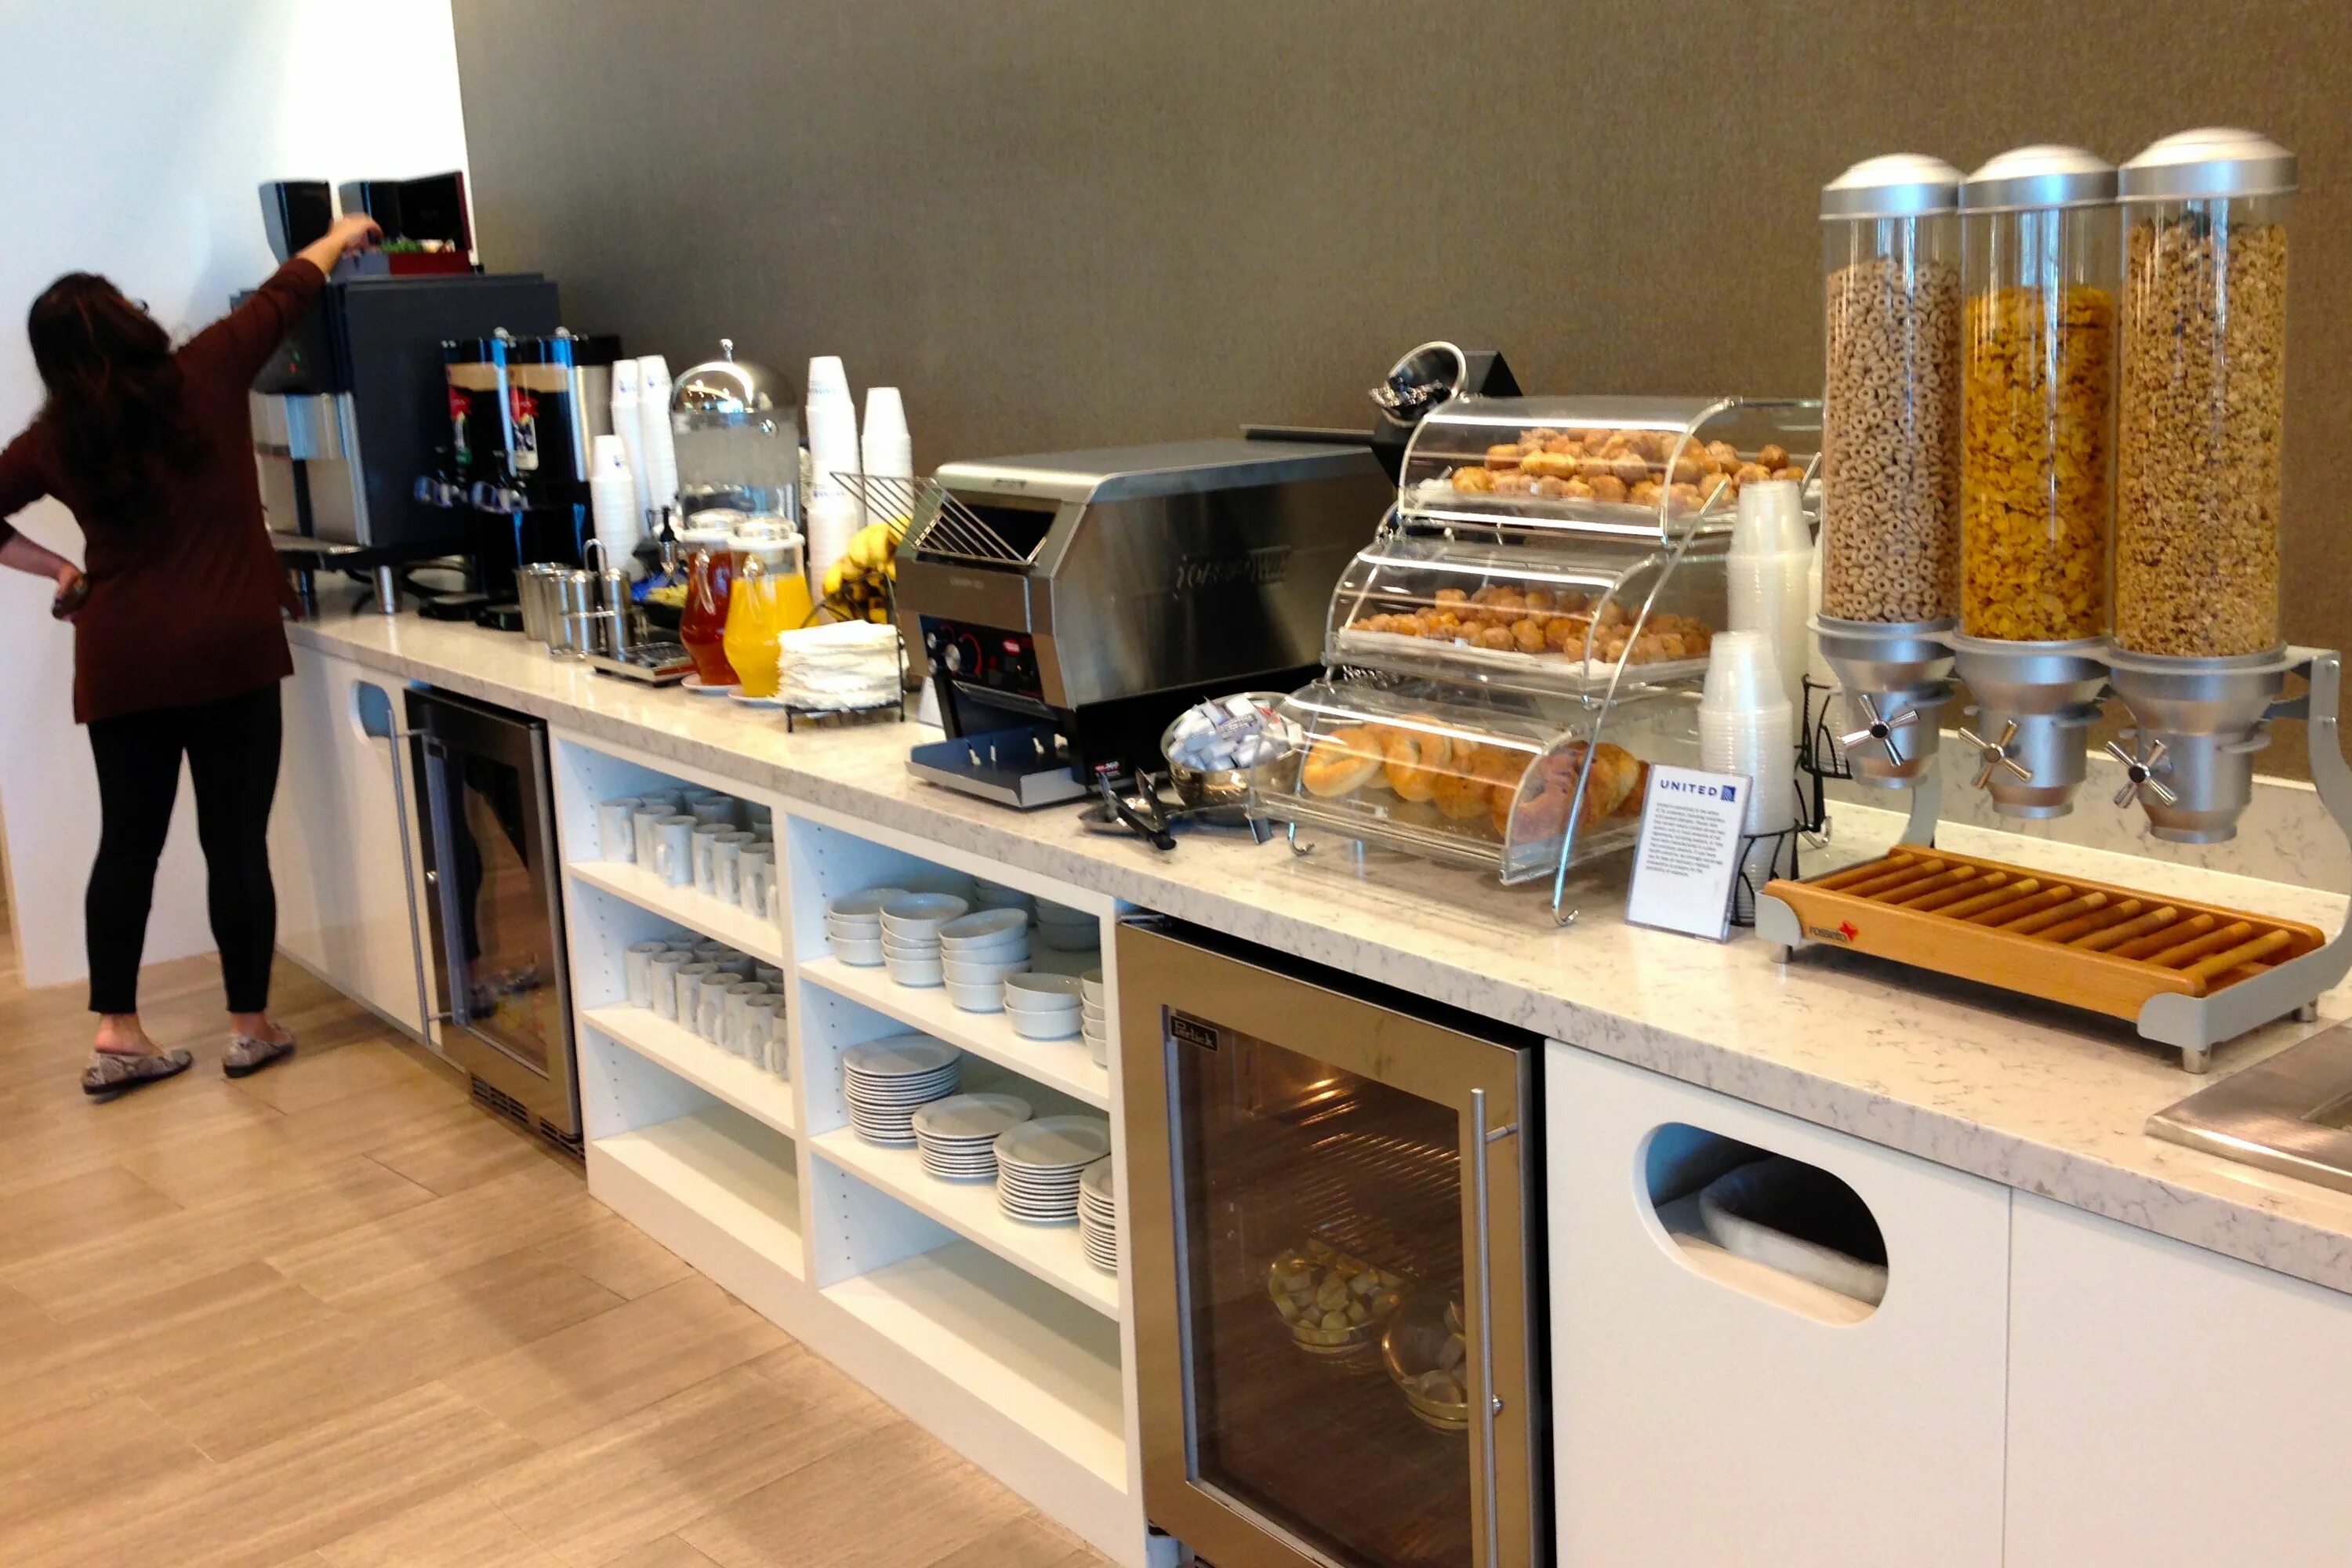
(1898, 184)
(728, 385)
(2026, 179)
(2212, 161)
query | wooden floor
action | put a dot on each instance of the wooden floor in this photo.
(335, 1316)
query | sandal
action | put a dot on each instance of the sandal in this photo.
(111, 1074)
(247, 1055)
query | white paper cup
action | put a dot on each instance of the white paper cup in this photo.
(1742, 673)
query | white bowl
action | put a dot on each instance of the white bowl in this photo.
(984, 997)
(851, 925)
(1094, 1015)
(863, 905)
(1011, 945)
(1090, 987)
(1039, 990)
(983, 925)
(908, 971)
(1061, 1025)
(961, 973)
(921, 914)
(1086, 938)
(864, 954)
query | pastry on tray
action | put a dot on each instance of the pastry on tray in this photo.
(1641, 468)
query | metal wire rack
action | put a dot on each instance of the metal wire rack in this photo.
(941, 525)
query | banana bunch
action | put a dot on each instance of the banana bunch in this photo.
(857, 587)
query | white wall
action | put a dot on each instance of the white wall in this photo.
(132, 136)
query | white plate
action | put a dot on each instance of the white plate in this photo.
(966, 1117)
(865, 905)
(1099, 1181)
(900, 1056)
(736, 693)
(694, 683)
(1056, 1142)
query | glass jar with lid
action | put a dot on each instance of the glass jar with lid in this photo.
(1891, 414)
(2203, 407)
(2038, 357)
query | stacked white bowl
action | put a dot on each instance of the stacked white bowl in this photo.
(1043, 1006)
(958, 1135)
(884, 1082)
(853, 925)
(1066, 930)
(910, 935)
(988, 895)
(977, 950)
(1094, 1011)
(1098, 1215)
(1038, 1164)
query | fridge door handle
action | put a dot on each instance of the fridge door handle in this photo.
(445, 885)
(1490, 1403)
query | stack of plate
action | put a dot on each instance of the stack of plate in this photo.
(911, 934)
(1037, 1166)
(1043, 1006)
(853, 925)
(887, 1082)
(958, 1135)
(1095, 1012)
(1066, 930)
(977, 950)
(1098, 1216)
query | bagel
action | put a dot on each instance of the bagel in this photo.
(1414, 758)
(1341, 763)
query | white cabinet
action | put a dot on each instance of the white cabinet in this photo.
(1707, 1413)
(336, 839)
(2169, 1405)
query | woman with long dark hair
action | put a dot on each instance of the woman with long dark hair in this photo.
(179, 642)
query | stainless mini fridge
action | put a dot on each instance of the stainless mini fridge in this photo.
(1337, 1286)
(491, 871)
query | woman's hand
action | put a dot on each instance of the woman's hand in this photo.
(352, 232)
(73, 592)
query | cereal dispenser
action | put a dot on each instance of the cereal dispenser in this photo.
(2198, 657)
(1890, 445)
(2037, 357)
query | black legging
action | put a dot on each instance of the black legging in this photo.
(232, 752)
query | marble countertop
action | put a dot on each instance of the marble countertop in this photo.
(2036, 1096)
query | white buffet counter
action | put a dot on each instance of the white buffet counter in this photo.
(2021, 1391)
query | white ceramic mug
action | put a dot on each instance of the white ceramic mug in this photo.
(646, 820)
(671, 801)
(739, 964)
(636, 971)
(710, 1006)
(735, 1029)
(616, 827)
(765, 1039)
(673, 860)
(726, 861)
(662, 972)
(768, 977)
(689, 991)
(755, 873)
(706, 870)
(711, 809)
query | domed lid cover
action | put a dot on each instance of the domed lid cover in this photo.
(729, 385)
(1897, 185)
(2041, 175)
(2212, 161)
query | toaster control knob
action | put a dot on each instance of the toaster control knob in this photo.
(954, 659)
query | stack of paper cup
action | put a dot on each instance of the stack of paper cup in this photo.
(659, 456)
(613, 503)
(1745, 726)
(628, 425)
(886, 446)
(1770, 569)
(835, 512)
(1817, 663)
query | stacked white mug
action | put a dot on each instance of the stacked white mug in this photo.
(1746, 725)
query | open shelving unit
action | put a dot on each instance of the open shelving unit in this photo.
(997, 1336)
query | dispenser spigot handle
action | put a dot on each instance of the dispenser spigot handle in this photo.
(2139, 775)
(1996, 755)
(1879, 729)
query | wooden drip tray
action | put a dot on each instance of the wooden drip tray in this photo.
(2085, 943)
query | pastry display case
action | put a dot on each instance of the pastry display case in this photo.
(1644, 467)
(1497, 781)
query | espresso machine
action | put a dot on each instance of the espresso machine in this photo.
(1071, 603)
(2117, 500)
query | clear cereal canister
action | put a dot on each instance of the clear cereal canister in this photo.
(1890, 420)
(2202, 407)
(2038, 357)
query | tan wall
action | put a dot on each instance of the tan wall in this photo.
(1097, 220)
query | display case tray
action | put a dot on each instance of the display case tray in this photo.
(2089, 945)
(1541, 674)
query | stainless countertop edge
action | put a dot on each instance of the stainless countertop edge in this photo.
(2197, 1207)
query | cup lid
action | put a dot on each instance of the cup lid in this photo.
(2211, 161)
(2024, 179)
(1897, 185)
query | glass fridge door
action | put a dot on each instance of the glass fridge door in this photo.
(1342, 1294)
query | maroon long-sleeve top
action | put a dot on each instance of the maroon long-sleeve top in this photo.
(185, 597)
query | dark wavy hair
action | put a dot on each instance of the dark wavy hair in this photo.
(115, 397)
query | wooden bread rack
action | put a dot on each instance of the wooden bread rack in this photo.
(2085, 943)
